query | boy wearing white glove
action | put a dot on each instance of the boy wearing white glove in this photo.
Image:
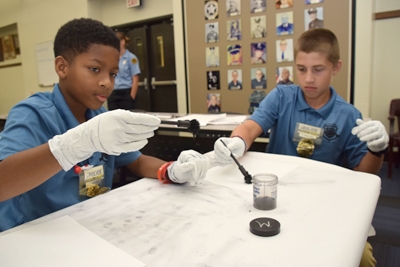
(311, 120)
(51, 137)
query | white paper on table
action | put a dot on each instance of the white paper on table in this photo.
(233, 178)
(203, 119)
(229, 120)
(60, 242)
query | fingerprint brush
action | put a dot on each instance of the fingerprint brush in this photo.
(193, 126)
(247, 176)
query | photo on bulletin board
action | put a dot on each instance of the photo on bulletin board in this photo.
(233, 8)
(258, 27)
(234, 29)
(258, 78)
(257, 6)
(307, 2)
(258, 53)
(284, 23)
(279, 4)
(211, 9)
(213, 80)
(213, 103)
(8, 47)
(235, 79)
(234, 55)
(212, 56)
(212, 34)
(314, 18)
(284, 50)
(284, 75)
(1, 51)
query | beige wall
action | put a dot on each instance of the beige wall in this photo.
(385, 61)
(377, 76)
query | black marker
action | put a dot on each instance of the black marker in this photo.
(247, 176)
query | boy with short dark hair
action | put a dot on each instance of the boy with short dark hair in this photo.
(311, 120)
(57, 147)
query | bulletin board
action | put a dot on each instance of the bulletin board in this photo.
(45, 64)
(208, 32)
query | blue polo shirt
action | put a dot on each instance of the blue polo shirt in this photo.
(31, 123)
(284, 106)
(128, 67)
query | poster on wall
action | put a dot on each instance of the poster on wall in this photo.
(213, 103)
(212, 56)
(233, 8)
(284, 23)
(258, 78)
(211, 9)
(213, 80)
(258, 27)
(284, 75)
(314, 18)
(235, 79)
(284, 50)
(212, 34)
(8, 47)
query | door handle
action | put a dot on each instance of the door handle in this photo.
(144, 83)
(154, 83)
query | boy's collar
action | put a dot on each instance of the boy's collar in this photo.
(324, 111)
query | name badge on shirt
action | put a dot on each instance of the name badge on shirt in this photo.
(91, 181)
(307, 137)
(124, 62)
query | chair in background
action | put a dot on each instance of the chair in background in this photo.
(394, 135)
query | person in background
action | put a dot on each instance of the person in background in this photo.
(341, 136)
(127, 80)
(52, 139)
(285, 77)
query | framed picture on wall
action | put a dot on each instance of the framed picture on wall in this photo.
(8, 47)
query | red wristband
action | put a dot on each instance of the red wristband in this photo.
(162, 174)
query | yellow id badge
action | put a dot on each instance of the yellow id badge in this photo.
(91, 181)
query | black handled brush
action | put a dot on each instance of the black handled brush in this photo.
(193, 126)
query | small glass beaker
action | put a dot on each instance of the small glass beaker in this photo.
(265, 187)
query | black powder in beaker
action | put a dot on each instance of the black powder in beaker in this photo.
(264, 203)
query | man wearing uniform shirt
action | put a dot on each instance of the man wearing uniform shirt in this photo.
(235, 55)
(212, 59)
(314, 21)
(259, 6)
(258, 54)
(212, 35)
(285, 27)
(127, 79)
(258, 31)
(235, 83)
(232, 11)
(259, 81)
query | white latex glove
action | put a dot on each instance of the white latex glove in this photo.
(372, 132)
(190, 166)
(112, 132)
(222, 153)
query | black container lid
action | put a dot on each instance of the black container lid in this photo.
(265, 227)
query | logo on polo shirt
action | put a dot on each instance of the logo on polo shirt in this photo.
(330, 132)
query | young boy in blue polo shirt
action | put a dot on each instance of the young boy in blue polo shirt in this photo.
(311, 120)
(59, 148)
